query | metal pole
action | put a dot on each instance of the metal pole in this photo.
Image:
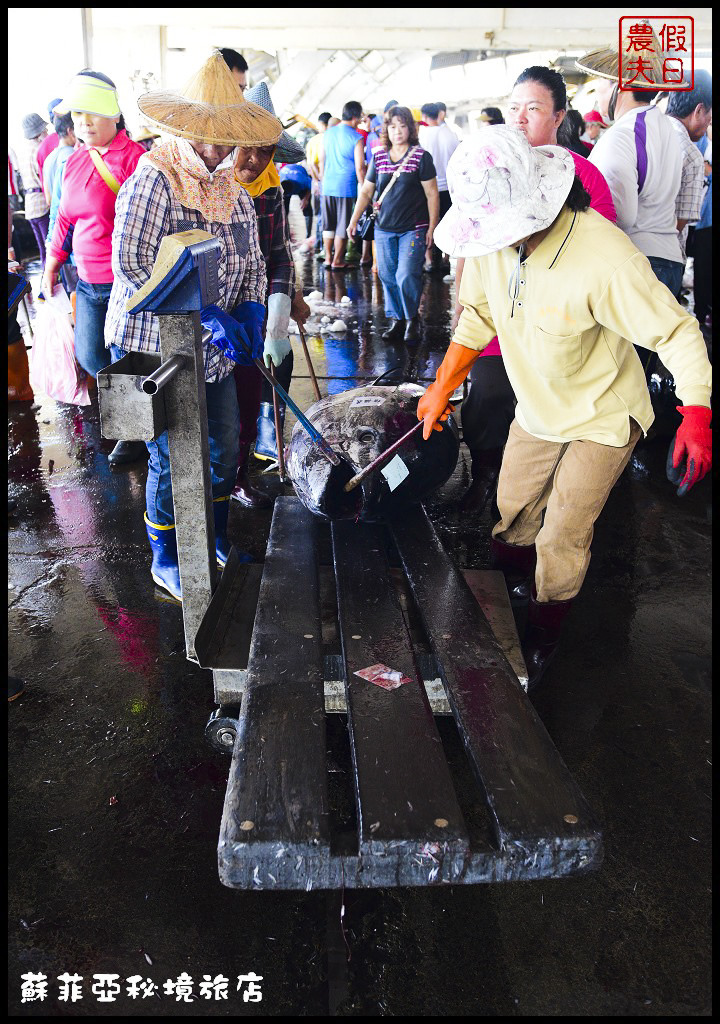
(278, 429)
(186, 410)
(164, 373)
(301, 330)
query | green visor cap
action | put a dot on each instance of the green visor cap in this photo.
(89, 96)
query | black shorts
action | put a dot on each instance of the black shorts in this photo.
(336, 214)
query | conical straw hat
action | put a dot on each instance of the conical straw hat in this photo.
(211, 108)
(604, 62)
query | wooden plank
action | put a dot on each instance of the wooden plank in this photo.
(490, 591)
(530, 792)
(405, 796)
(276, 806)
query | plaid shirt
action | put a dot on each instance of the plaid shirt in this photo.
(274, 236)
(688, 204)
(146, 211)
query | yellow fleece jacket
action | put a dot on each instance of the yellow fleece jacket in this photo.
(585, 296)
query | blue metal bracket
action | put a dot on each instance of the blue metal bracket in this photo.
(184, 277)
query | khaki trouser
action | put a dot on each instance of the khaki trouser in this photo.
(570, 483)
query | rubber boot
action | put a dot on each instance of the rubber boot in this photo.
(395, 331)
(243, 491)
(542, 636)
(412, 332)
(517, 564)
(127, 451)
(221, 510)
(266, 442)
(485, 472)
(19, 389)
(163, 543)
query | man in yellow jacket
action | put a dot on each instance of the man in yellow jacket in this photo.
(568, 294)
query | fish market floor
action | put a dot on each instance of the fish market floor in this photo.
(115, 799)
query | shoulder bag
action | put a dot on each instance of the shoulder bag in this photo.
(366, 223)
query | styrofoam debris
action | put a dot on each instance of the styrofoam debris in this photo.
(338, 326)
(345, 300)
(314, 295)
(325, 320)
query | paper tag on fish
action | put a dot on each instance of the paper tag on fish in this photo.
(382, 675)
(395, 472)
(367, 401)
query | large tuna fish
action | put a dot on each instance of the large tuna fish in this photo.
(359, 425)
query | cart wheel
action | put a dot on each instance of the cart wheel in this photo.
(221, 729)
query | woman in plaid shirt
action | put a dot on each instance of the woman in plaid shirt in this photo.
(180, 185)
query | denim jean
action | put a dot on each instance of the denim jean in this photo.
(670, 272)
(91, 307)
(223, 429)
(400, 257)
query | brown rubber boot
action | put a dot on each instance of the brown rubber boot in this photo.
(517, 563)
(542, 636)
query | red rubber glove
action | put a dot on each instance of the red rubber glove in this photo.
(434, 405)
(690, 456)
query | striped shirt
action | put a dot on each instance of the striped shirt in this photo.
(147, 211)
(405, 208)
(688, 204)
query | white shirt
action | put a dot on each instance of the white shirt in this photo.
(648, 218)
(440, 141)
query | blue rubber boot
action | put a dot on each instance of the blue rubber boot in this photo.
(163, 544)
(221, 510)
(266, 442)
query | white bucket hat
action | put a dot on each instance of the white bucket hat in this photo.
(502, 189)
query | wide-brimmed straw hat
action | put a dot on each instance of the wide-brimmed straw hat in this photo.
(89, 95)
(604, 63)
(502, 189)
(212, 109)
(287, 151)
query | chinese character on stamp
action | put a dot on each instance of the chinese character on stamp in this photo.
(657, 51)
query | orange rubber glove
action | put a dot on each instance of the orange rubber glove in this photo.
(434, 404)
(690, 455)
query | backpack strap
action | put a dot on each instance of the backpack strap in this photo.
(104, 171)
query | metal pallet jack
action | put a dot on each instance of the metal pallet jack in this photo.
(262, 632)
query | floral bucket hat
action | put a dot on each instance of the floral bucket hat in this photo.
(502, 189)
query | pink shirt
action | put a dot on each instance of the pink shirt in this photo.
(46, 147)
(600, 200)
(87, 209)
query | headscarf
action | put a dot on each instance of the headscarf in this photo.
(214, 194)
(268, 179)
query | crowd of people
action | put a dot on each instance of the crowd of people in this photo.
(569, 233)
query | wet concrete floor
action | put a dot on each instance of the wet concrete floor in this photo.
(116, 798)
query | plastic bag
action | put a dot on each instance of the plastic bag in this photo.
(53, 368)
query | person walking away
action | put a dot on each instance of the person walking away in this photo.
(594, 127)
(492, 115)
(569, 133)
(54, 171)
(90, 183)
(690, 115)
(238, 67)
(536, 108)
(437, 139)
(259, 178)
(296, 181)
(641, 159)
(37, 209)
(55, 161)
(702, 243)
(405, 222)
(569, 293)
(342, 170)
(48, 146)
(189, 182)
(313, 149)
